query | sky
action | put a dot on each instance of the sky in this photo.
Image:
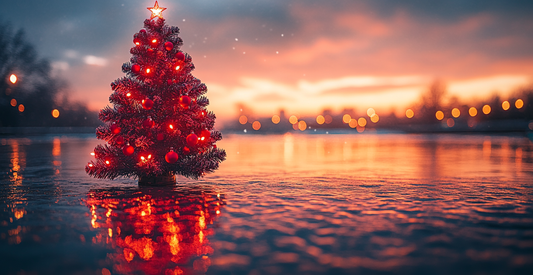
(298, 55)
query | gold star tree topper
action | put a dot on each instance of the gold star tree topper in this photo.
(156, 11)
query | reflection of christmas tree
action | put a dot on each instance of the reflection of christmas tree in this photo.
(159, 125)
(155, 231)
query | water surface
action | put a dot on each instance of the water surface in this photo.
(280, 204)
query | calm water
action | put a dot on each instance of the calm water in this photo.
(282, 204)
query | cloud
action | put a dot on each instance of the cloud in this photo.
(94, 60)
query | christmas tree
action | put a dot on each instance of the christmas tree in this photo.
(158, 125)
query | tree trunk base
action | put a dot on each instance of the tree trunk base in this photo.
(169, 179)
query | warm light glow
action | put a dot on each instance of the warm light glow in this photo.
(13, 102)
(256, 125)
(455, 112)
(409, 113)
(13, 78)
(439, 115)
(370, 112)
(506, 105)
(21, 108)
(128, 94)
(472, 111)
(178, 68)
(92, 154)
(90, 165)
(243, 120)
(276, 119)
(374, 118)
(156, 11)
(154, 41)
(320, 119)
(519, 103)
(450, 122)
(107, 162)
(352, 123)
(293, 119)
(171, 126)
(149, 156)
(328, 119)
(137, 43)
(148, 70)
(486, 109)
(302, 125)
(142, 158)
(55, 113)
(361, 122)
(346, 118)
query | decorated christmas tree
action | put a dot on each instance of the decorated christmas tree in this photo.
(158, 125)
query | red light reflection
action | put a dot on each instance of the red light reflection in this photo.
(155, 231)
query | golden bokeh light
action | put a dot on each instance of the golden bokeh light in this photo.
(256, 125)
(370, 112)
(519, 103)
(295, 126)
(472, 111)
(302, 125)
(328, 119)
(21, 108)
(409, 113)
(13, 78)
(55, 113)
(456, 113)
(506, 105)
(450, 122)
(353, 123)
(361, 121)
(320, 119)
(276, 119)
(346, 118)
(13, 102)
(439, 115)
(486, 109)
(243, 120)
(293, 119)
(374, 118)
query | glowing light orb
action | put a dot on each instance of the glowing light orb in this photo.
(456, 113)
(320, 119)
(13, 102)
(21, 108)
(409, 113)
(374, 118)
(352, 123)
(519, 103)
(370, 112)
(13, 78)
(293, 119)
(486, 109)
(276, 119)
(472, 111)
(302, 125)
(439, 115)
(256, 125)
(55, 113)
(506, 105)
(346, 118)
(361, 121)
(243, 120)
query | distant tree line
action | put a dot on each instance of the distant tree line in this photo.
(29, 101)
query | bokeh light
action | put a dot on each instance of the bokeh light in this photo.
(450, 122)
(276, 119)
(21, 108)
(409, 113)
(472, 111)
(486, 109)
(519, 103)
(374, 118)
(346, 118)
(439, 115)
(506, 105)
(456, 113)
(370, 112)
(13, 78)
(302, 125)
(13, 102)
(361, 121)
(320, 119)
(328, 119)
(293, 119)
(256, 125)
(353, 123)
(243, 120)
(55, 113)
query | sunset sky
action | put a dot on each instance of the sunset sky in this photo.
(302, 56)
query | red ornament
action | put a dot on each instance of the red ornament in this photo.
(135, 68)
(186, 150)
(171, 157)
(185, 101)
(147, 104)
(148, 123)
(142, 31)
(115, 129)
(214, 146)
(160, 136)
(205, 134)
(119, 140)
(128, 150)
(169, 46)
(192, 140)
(180, 56)
(137, 41)
(169, 81)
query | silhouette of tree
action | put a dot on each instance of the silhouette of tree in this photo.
(35, 89)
